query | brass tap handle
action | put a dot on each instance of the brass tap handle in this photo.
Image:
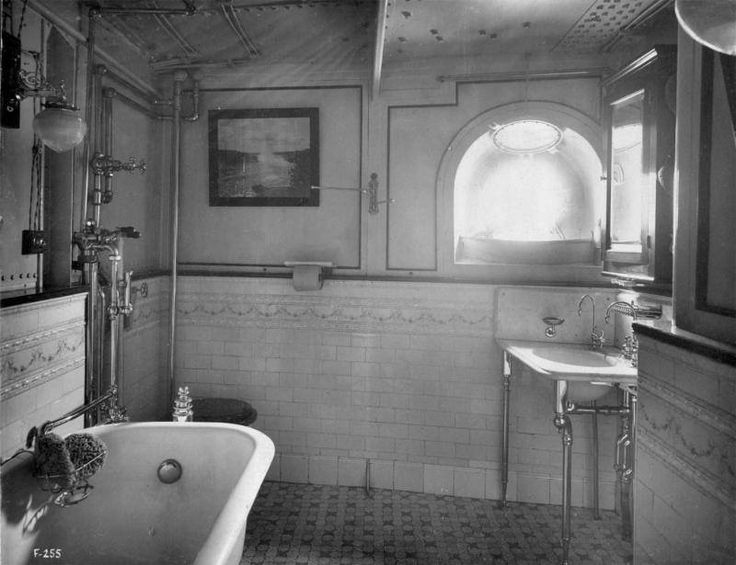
(127, 308)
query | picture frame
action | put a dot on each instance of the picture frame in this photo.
(264, 157)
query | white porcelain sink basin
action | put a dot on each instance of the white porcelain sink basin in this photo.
(562, 358)
(589, 373)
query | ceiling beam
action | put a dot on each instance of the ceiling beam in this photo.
(381, 23)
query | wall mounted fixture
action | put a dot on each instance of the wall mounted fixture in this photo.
(709, 22)
(59, 125)
(552, 322)
(371, 192)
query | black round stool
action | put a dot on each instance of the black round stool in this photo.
(227, 410)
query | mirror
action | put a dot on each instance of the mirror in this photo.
(640, 116)
(629, 179)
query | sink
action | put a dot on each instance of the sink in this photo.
(589, 373)
(561, 358)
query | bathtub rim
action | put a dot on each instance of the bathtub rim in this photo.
(228, 530)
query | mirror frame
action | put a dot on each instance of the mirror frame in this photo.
(654, 73)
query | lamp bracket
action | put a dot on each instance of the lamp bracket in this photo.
(36, 86)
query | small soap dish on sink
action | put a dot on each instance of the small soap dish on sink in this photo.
(552, 322)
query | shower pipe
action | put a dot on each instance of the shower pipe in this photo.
(92, 377)
(179, 77)
(92, 85)
(107, 139)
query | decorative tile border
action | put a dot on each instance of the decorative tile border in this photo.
(695, 407)
(703, 481)
(336, 313)
(41, 341)
(26, 383)
(31, 340)
(26, 367)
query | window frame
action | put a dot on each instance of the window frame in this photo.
(555, 113)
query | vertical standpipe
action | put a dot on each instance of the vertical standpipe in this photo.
(179, 77)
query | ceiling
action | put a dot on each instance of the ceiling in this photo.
(170, 34)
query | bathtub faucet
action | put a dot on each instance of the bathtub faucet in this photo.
(92, 242)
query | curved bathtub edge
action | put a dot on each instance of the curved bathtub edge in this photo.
(224, 545)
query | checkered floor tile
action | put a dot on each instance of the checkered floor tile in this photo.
(307, 524)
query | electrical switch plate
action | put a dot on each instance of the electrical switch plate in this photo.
(34, 241)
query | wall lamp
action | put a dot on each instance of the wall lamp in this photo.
(59, 125)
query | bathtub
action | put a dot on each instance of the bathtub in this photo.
(131, 517)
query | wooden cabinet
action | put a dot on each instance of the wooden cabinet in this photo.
(705, 270)
(640, 124)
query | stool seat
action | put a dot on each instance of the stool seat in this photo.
(227, 410)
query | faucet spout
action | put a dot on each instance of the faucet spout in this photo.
(582, 301)
(621, 307)
(596, 336)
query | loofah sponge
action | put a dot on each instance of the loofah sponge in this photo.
(87, 454)
(53, 461)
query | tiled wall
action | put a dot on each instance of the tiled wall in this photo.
(404, 374)
(685, 478)
(145, 340)
(42, 368)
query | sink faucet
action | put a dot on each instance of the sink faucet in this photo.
(596, 336)
(630, 346)
(621, 307)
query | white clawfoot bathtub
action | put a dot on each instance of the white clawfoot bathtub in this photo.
(131, 517)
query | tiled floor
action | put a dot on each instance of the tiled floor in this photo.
(298, 523)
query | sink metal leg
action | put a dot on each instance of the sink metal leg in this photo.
(564, 426)
(596, 495)
(627, 466)
(505, 440)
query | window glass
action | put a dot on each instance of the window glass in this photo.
(524, 186)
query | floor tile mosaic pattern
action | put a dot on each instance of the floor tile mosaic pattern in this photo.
(310, 524)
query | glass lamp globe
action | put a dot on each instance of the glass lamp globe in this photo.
(709, 22)
(60, 126)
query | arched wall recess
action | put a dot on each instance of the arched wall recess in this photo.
(579, 155)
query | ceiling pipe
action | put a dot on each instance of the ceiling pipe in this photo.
(504, 76)
(189, 49)
(381, 23)
(189, 10)
(57, 21)
(231, 17)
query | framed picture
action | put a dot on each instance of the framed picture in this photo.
(264, 157)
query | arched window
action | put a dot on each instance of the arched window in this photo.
(526, 187)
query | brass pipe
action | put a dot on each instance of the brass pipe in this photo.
(88, 112)
(179, 77)
(52, 16)
(107, 147)
(505, 435)
(596, 494)
(564, 425)
(72, 414)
